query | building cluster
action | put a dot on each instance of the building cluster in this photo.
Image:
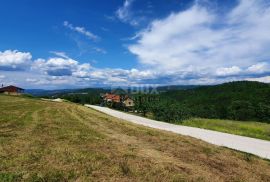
(109, 99)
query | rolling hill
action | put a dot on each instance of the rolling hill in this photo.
(241, 100)
(49, 141)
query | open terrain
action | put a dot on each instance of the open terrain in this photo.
(50, 141)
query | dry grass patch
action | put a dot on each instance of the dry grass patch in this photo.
(48, 141)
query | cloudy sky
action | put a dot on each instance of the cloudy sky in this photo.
(77, 43)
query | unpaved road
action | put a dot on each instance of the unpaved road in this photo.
(245, 144)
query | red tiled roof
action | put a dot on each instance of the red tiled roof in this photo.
(113, 97)
(10, 88)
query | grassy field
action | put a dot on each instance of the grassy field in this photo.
(244, 128)
(49, 141)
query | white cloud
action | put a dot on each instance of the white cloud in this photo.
(140, 75)
(33, 80)
(11, 60)
(82, 70)
(61, 67)
(81, 30)
(60, 54)
(234, 70)
(265, 79)
(205, 40)
(259, 68)
(125, 14)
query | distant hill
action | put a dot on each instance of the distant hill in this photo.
(41, 92)
(176, 87)
(117, 90)
(55, 93)
(241, 100)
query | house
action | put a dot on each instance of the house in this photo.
(128, 102)
(111, 98)
(123, 100)
(11, 90)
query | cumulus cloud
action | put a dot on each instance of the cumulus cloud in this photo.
(64, 70)
(259, 68)
(234, 70)
(61, 67)
(81, 30)
(12, 60)
(123, 77)
(203, 39)
(82, 70)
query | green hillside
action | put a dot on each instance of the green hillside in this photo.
(243, 100)
(49, 141)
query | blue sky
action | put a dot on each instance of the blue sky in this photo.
(79, 43)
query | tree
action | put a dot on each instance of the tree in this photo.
(263, 112)
(143, 103)
(169, 111)
(241, 110)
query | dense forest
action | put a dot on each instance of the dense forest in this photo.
(243, 100)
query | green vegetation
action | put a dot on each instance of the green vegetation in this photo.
(244, 100)
(50, 141)
(250, 129)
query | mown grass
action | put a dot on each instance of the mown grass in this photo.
(49, 141)
(244, 128)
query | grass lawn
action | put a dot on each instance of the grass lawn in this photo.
(50, 141)
(244, 128)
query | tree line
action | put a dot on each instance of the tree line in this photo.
(245, 101)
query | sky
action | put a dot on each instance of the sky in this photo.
(99, 43)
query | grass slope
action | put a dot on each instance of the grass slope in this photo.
(244, 128)
(48, 141)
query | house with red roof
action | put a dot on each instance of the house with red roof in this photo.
(112, 98)
(124, 100)
(11, 90)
